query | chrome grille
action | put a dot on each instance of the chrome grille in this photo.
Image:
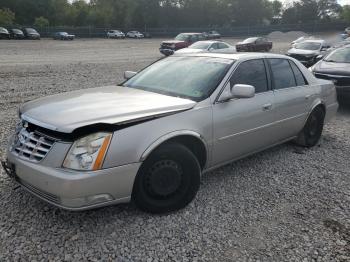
(31, 145)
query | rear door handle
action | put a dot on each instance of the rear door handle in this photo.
(307, 97)
(267, 107)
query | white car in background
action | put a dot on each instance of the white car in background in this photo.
(301, 39)
(135, 34)
(208, 46)
(115, 34)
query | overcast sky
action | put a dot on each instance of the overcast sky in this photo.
(342, 2)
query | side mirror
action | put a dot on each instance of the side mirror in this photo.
(129, 74)
(243, 91)
(237, 91)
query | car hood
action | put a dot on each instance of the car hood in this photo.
(189, 50)
(105, 105)
(173, 42)
(332, 68)
(296, 51)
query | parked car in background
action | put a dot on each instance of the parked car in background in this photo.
(301, 39)
(181, 41)
(115, 34)
(147, 34)
(347, 31)
(208, 46)
(4, 34)
(31, 33)
(308, 51)
(212, 35)
(63, 36)
(135, 34)
(336, 67)
(346, 42)
(254, 44)
(16, 33)
(150, 139)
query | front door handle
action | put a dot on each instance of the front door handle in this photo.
(267, 107)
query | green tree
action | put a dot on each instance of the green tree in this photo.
(345, 13)
(41, 22)
(7, 17)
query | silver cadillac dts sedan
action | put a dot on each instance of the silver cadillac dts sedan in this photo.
(150, 139)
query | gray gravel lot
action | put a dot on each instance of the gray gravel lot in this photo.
(284, 204)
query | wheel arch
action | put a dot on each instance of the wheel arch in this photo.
(191, 139)
(317, 103)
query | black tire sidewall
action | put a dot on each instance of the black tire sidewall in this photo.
(188, 189)
(311, 141)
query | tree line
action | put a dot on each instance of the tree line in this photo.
(167, 13)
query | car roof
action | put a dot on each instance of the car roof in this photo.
(234, 56)
(210, 41)
(190, 33)
(314, 41)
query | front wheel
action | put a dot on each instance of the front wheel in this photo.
(312, 131)
(168, 180)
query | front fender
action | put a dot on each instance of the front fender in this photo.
(169, 136)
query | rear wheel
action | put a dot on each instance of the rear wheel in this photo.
(312, 131)
(168, 180)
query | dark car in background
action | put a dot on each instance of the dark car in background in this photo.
(31, 33)
(16, 33)
(254, 44)
(63, 36)
(336, 67)
(4, 34)
(307, 52)
(212, 35)
(181, 41)
(147, 34)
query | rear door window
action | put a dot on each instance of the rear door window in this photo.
(253, 73)
(299, 77)
(283, 76)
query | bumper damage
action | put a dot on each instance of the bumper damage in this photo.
(73, 190)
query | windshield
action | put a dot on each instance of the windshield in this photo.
(200, 45)
(31, 30)
(63, 33)
(250, 40)
(339, 56)
(17, 31)
(194, 78)
(309, 46)
(3, 29)
(182, 37)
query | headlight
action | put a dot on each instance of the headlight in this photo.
(88, 153)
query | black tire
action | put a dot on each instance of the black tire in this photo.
(312, 131)
(168, 180)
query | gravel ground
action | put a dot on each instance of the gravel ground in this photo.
(284, 204)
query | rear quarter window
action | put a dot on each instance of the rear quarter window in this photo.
(299, 77)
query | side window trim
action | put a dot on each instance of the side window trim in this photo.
(268, 75)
